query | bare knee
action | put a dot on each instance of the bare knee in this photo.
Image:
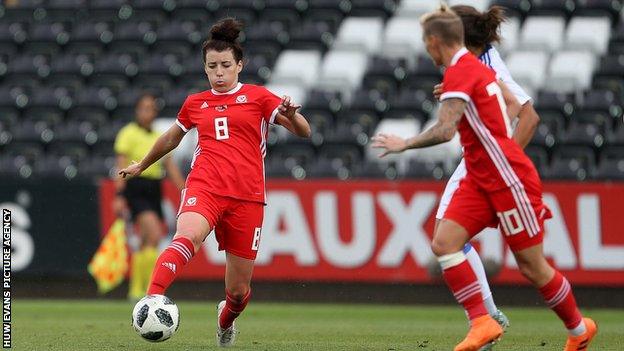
(441, 247)
(238, 291)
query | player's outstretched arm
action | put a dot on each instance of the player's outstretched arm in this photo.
(451, 111)
(527, 124)
(164, 144)
(289, 118)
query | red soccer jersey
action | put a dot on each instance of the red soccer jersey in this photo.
(493, 159)
(232, 128)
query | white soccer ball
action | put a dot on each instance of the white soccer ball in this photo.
(155, 318)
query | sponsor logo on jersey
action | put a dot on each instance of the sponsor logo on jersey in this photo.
(241, 99)
(204, 105)
(221, 108)
(191, 201)
(170, 265)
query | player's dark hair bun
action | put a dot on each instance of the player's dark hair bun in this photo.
(227, 29)
(224, 36)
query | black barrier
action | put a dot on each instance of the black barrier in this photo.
(54, 225)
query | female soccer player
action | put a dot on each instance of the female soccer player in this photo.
(481, 30)
(501, 187)
(225, 189)
(142, 195)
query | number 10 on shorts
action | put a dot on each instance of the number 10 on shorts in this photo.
(256, 239)
(510, 221)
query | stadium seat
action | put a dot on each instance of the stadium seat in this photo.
(559, 8)
(297, 67)
(542, 33)
(296, 92)
(446, 153)
(588, 33)
(360, 34)
(539, 157)
(510, 35)
(13, 32)
(481, 5)
(342, 71)
(384, 75)
(545, 135)
(609, 170)
(404, 128)
(372, 8)
(368, 100)
(514, 8)
(311, 35)
(572, 162)
(403, 38)
(415, 8)
(599, 8)
(528, 68)
(345, 154)
(570, 71)
(423, 169)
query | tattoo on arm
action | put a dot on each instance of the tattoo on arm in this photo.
(451, 111)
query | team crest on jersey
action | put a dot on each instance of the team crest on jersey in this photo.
(241, 99)
(191, 201)
(221, 108)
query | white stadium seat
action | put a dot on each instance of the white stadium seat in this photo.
(528, 68)
(360, 33)
(542, 33)
(297, 93)
(415, 8)
(480, 5)
(589, 33)
(403, 39)
(447, 153)
(405, 128)
(299, 67)
(510, 31)
(571, 71)
(342, 71)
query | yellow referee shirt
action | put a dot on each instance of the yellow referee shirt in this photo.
(134, 142)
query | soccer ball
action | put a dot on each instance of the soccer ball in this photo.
(155, 318)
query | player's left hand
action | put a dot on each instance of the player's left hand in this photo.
(287, 108)
(391, 143)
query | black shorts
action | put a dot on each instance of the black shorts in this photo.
(143, 194)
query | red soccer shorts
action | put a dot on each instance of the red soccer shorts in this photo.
(518, 210)
(237, 223)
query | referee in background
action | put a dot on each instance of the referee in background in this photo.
(141, 196)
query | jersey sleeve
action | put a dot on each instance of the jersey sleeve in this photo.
(269, 103)
(457, 84)
(123, 142)
(184, 119)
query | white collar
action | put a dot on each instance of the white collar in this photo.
(234, 90)
(461, 52)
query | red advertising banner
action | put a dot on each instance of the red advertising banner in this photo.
(380, 231)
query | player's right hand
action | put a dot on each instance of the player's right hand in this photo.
(391, 144)
(133, 170)
(437, 91)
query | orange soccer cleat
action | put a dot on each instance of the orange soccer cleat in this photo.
(483, 331)
(581, 342)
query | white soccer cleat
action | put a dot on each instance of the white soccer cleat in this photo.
(225, 337)
(502, 319)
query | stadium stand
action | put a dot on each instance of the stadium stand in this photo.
(70, 71)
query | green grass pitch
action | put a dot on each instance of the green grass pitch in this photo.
(105, 325)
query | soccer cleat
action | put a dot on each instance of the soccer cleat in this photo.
(503, 321)
(484, 330)
(581, 342)
(225, 337)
